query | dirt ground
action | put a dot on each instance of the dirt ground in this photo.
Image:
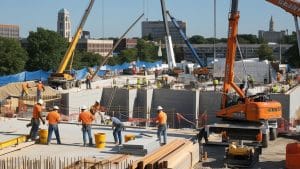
(271, 157)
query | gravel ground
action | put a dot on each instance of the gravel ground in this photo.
(272, 157)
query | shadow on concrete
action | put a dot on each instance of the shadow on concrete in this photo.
(270, 164)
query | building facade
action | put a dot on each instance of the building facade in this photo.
(247, 50)
(9, 31)
(98, 46)
(126, 43)
(271, 36)
(64, 24)
(156, 30)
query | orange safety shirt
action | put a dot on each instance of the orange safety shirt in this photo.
(53, 117)
(86, 117)
(40, 86)
(37, 109)
(161, 118)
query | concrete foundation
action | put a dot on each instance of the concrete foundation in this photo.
(71, 102)
(210, 103)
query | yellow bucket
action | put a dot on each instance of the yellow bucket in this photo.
(129, 137)
(43, 133)
(100, 140)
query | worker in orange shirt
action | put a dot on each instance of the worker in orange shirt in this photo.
(25, 87)
(53, 118)
(35, 120)
(39, 89)
(161, 120)
(86, 118)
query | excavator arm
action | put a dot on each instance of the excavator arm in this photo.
(231, 53)
(290, 6)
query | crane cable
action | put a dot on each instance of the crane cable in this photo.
(244, 66)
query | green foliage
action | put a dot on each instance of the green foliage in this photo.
(127, 55)
(45, 49)
(84, 59)
(13, 56)
(197, 39)
(247, 39)
(292, 55)
(290, 39)
(147, 51)
(265, 52)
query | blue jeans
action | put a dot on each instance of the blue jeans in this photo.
(51, 128)
(162, 130)
(88, 84)
(35, 123)
(38, 95)
(117, 134)
(86, 129)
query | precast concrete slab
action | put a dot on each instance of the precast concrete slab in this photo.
(142, 104)
(71, 102)
(185, 102)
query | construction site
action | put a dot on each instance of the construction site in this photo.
(214, 116)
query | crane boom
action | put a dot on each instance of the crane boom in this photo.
(196, 56)
(290, 6)
(231, 53)
(168, 39)
(72, 46)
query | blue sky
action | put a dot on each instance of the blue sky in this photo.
(119, 14)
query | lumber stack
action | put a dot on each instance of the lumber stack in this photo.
(178, 154)
(140, 146)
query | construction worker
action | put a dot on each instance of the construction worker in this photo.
(215, 83)
(35, 120)
(88, 79)
(161, 121)
(53, 118)
(114, 82)
(25, 88)
(144, 81)
(86, 118)
(97, 109)
(250, 81)
(39, 89)
(278, 77)
(117, 126)
(138, 83)
(156, 72)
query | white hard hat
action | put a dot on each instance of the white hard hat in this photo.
(83, 107)
(55, 107)
(159, 108)
(97, 101)
(40, 101)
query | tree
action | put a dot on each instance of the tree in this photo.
(45, 49)
(84, 59)
(247, 38)
(147, 51)
(128, 55)
(265, 52)
(292, 55)
(13, 56)
(197, 39)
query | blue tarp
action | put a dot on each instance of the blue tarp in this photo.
(80, 74)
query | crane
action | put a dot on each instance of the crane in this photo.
(292, 7)
(168, 39)
(251, 118)
(203, 69)
(61, 77)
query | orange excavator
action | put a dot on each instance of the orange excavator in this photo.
(255, 108)
(244, 117)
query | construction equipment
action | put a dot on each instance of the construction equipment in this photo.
(202, 70)
(62, 77)
(168, 39)
(257, 108)
(239, 155)
(292, 7)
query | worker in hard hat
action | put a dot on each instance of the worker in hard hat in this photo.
(97, 109)
(39, 89)
(215, 83)
(86, 118)
(117, 126)
(161, 121)
(35, 120)
(53, 118)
